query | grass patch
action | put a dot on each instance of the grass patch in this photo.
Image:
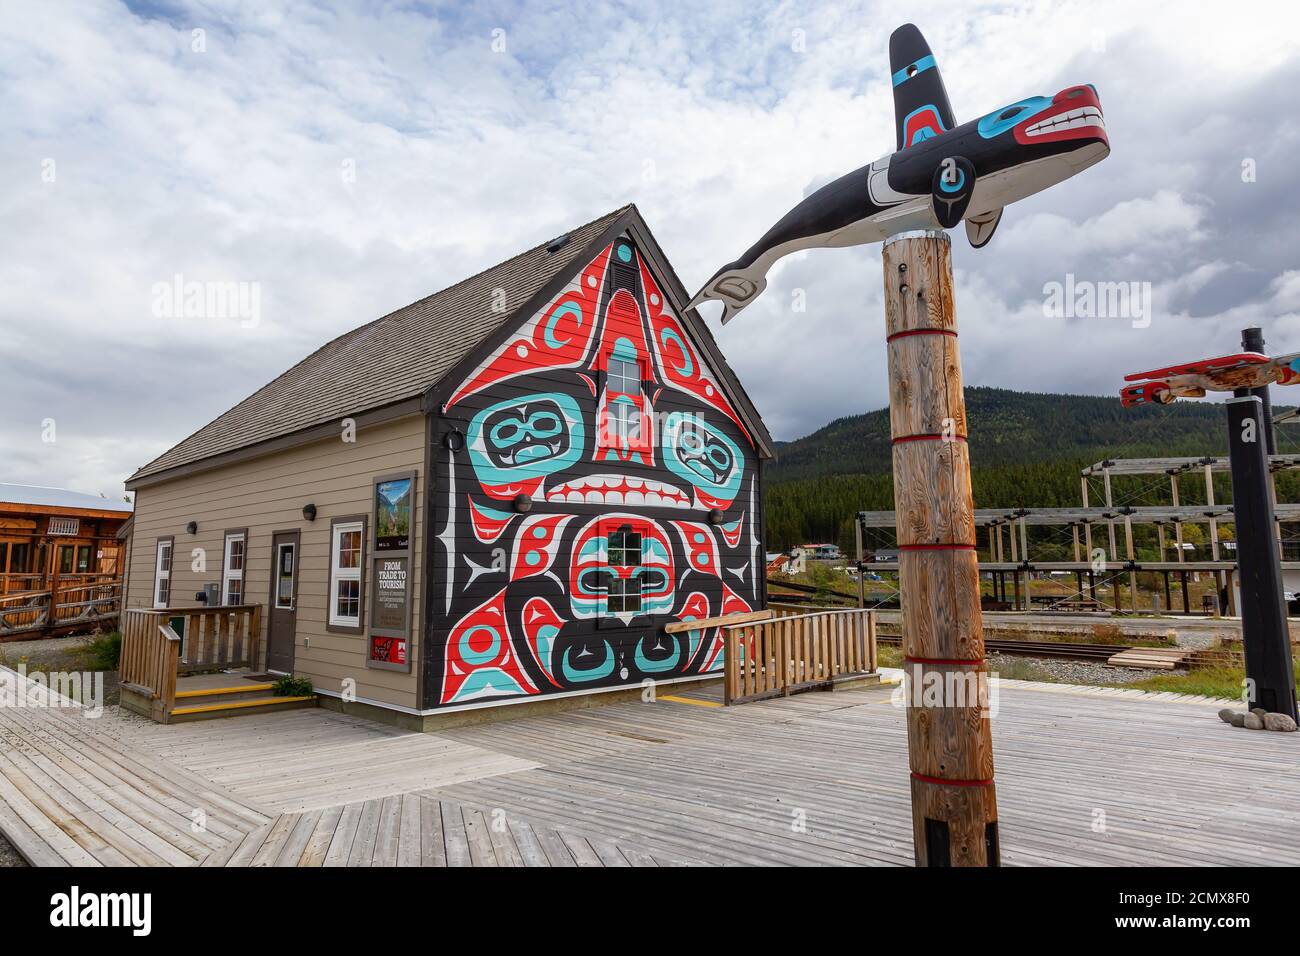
(1225, 682)
(889, 655)
(104, 652)
(1023, 668)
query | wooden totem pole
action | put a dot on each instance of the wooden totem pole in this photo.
(939, 175)
(954, 806)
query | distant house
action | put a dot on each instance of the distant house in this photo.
(58, 548)
(499, 494)
(819, 552)
(786, 564)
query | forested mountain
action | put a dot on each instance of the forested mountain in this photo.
(1026, 450)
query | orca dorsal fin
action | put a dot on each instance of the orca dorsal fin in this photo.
(921, 108)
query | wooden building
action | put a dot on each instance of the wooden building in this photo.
(499, 494)
(61, 562)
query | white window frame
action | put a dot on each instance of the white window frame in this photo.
(338, 574)
(227, 574)
(624, 596)
(162, 573)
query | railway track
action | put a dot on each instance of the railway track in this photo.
(1056, 649)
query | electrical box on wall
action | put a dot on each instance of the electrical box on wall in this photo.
(213, 594)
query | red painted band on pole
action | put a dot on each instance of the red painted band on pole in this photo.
(907, 332)
(928, 436)
(936, 547)
(940, 660)
(951, 783)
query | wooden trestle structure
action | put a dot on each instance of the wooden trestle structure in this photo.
(1095, 527)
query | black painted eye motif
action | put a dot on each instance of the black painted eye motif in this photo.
(1010, 112)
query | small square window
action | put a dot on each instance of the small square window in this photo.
(625, 423)
(624, 596)
(623, 377)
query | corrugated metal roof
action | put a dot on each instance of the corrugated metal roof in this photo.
(389, 360)
(59, 498)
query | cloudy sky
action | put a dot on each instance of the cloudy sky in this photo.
(346, 159)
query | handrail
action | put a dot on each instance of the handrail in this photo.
(722, 620)
(796, 617)
(213, 638)
(784, 655)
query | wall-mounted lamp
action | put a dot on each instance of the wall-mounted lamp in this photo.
(716, 516)
(309, 512)
(192, 527)
(522, 504)
(454, 440)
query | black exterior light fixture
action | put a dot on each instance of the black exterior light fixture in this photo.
(522, 504)
(309, 512)
(192, 527)
(717, 516)
(454, 440)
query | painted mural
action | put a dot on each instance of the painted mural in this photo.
(596, 484)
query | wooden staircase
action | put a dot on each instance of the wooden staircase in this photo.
(239, 697)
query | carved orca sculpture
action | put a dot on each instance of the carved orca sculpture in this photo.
(941, 173)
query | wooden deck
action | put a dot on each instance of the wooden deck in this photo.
(1085, 777)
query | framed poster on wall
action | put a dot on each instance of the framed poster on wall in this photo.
(389, 623)
(394, 510)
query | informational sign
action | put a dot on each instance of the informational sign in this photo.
(390, 572)
(388, 650)
(388, 608)
(393, 509)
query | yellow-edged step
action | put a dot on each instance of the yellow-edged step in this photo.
(237, 704)
(214, 691)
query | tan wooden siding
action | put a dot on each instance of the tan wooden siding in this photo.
(266, 495)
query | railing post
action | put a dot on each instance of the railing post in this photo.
(255, 638)
(728, 666)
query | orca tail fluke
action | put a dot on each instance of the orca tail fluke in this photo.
(735, 288)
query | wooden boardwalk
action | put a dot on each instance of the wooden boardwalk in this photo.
(1085, 777)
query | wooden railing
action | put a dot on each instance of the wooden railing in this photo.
(150, 651)
(220, 637)
(16, 582)
(24, 611)
(784, 655)
(72, 602)
(155, 650)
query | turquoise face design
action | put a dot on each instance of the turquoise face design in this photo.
(998, 122)
(703, 457)
(516, 443)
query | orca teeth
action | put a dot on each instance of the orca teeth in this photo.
(1074, 119)
(619, 490)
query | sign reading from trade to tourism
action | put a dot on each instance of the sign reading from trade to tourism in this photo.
(388, 608)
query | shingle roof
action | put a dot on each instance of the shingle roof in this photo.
(391, 359)
(59, 498)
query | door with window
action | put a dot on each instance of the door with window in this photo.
(282, 623)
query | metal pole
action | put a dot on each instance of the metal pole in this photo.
(1265, 637)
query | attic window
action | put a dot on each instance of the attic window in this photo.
(555, 245)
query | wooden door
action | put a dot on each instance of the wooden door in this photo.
(283, 602)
